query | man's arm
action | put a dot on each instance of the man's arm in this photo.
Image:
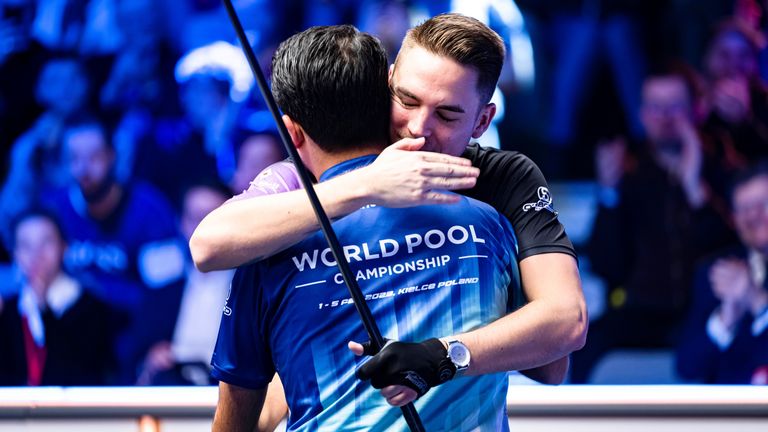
(549, 327)
(241, 231)
(536, 338)
(238, 409)
(553, 373)
(275, 408)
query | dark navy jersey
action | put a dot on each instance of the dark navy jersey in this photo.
(133, 249)
(428, 271)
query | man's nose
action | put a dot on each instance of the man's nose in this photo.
(420, 124)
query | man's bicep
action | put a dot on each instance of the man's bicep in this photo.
(551, 276)
(552, 280)
(238, 408)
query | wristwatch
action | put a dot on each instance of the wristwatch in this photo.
(459, 355)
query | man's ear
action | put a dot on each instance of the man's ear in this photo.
(295, 131)
(484, 120)
(391, 71)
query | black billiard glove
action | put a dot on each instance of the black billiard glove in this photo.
(419, 366)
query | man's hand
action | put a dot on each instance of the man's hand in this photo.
(406, 371)
(403, 176)
(731, 100)
(731, 284)
(609, 161)
(688, 170)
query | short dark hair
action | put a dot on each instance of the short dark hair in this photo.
(465, 40)
(754, 38)
(675, 68)
(35, 212)
(746, 175)
(88, 120)
(332, 80)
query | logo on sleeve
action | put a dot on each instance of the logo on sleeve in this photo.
(227, 309)
(544, 202)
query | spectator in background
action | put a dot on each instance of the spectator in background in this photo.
(197, 144)
(139, 87)
(21, 58)
(254, 151)
(682, 27)
(59, 24)
(654, 220)
(181, 321)
(726, 334)
(54, 331)
(388, 21)
(122, 236)
(737, 98)
(36, 162)
(583, 35)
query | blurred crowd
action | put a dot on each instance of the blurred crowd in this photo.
(124, 122)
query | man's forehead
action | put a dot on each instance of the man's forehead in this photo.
(665, 88)
(757, 185)
(417, 70)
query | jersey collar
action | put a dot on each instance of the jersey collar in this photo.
(346, 166)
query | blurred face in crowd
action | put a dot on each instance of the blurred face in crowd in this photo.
(138, 20)
(203, 99)
(198, 202)
(750, 213)
(63, 86)
(91, 160)
(731, 55)
(666, 103)
(436, 98)
(256, 153)
(16, 18)
(38, 250)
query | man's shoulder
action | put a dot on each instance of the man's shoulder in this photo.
(501, 166)
(277, 178)
(484, 156)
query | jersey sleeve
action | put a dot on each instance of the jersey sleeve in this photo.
(277, 178)
(513, 184)
(242, 355)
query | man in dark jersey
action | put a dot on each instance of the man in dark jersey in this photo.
(427, 272)
(439, 112)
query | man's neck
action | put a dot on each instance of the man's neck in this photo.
(324, 161)
(104, 207)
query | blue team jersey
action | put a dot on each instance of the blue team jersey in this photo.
(133, 249)
(427, 271)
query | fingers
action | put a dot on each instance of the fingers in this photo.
(436, 197)
(409, 144)
(398, 396)
(415, 144)
(441, 169)
(429, 184)
(366, 370)
(356, 348)
(445, 159)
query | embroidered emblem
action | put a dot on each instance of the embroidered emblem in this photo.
(544, 202)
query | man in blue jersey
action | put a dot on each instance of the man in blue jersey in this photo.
(427, 272)
(122, 237)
